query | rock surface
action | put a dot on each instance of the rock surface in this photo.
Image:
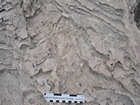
(88, 47)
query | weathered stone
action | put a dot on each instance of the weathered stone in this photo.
(88, 47)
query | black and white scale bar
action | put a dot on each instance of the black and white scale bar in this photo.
(64, 98)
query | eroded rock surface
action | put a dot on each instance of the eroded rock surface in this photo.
(88, 47)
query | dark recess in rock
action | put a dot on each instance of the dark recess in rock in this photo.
(137, 15)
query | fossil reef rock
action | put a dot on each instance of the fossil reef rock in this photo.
(89, 47)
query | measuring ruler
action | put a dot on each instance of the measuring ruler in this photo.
(64, 98)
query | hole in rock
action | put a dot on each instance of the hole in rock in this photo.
(80, 84)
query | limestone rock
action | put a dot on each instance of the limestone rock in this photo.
(88, 47)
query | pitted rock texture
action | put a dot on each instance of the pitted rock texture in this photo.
(88, 47)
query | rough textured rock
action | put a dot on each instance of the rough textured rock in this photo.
(88, 47)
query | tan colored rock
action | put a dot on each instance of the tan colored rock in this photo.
(22, 33)
(88, 47)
